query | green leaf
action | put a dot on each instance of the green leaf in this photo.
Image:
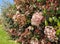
(55, 19)
(44, 12)
(46, 23)
(39, 0)
(58, 23)
(58, 11)
(58, 32)
(52, 11)
(50, 19)
(34, 5)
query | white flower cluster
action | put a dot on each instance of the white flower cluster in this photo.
(19, 18)
(50, 33)
(37, 18)
(34, 41)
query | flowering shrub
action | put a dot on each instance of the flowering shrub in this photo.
(34, 21)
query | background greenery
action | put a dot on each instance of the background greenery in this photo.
(4, 38)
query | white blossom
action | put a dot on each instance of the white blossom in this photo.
(34, 41)
(37, 18)
(50, 33)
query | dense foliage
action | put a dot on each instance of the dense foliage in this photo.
(33, 21)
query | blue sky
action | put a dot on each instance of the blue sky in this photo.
(1, 3)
